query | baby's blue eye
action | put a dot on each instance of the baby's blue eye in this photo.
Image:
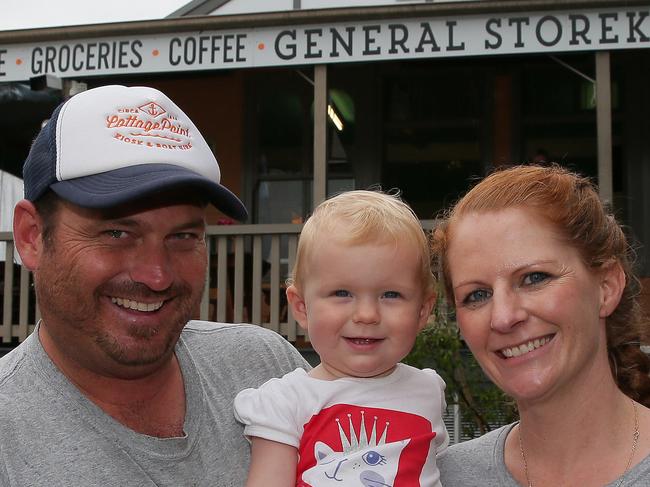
(341, 293)
(373, 458)
(391, 294)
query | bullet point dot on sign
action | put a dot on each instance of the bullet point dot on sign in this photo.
(261, 46)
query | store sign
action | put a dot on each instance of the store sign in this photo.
(475, 35)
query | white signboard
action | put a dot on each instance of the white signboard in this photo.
(475, 35)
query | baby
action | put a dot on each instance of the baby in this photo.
(362, 288)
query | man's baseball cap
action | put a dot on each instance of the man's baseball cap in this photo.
(115, 144)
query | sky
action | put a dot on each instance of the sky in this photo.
(30, 14)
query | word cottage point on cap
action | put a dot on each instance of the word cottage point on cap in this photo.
(115, 144)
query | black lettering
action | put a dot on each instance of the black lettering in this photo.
(519, 21)
(398, 41)
(369, 40)
(635, 27)
(227, 46)
(135, 49)
(90, 56)
(575, 32)
(498, 39)
(122, 55)
(64, 59)
(450, 45)
(240, 48)
(337, 40)
(174, 59)
(311, 43)
(216, 47)
(77, 57)
(203, 48)
(558, 30)
(290, 52)
(50, 56)
(189, 52)
(2, 61)
(102, 55)
(606, 28)
(113, 54)
(37, 62)
(427, 37)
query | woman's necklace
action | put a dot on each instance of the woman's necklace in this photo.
(635, 440)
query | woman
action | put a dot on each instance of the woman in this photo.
(540, 275)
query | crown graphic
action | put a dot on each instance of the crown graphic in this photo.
(360, 442)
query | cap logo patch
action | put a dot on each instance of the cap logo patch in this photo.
(149, 125)
(153, 109)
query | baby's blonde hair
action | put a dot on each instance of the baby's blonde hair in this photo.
(363, 216)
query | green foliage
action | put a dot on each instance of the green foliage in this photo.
(439, 346)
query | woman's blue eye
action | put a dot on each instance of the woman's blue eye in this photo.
(535, 278)
(477, 296)
(373, 458)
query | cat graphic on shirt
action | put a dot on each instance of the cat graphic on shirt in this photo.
(366, 460)
(369, 467)
(352, 446)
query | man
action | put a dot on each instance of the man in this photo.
(115, 387)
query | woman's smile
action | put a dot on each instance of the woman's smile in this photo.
(525, 348)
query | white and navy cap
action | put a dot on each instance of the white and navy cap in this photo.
(115, 144)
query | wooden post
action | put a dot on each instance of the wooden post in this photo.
(320, 135)
(604, 122)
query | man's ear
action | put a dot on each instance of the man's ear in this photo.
(298, 306)
(612, 284)
(28, 233)
(425, 310)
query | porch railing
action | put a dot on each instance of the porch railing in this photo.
(17, 295)
(248, 267)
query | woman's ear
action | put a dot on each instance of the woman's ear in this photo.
(28, 234)
(612, 284)
(298, 306)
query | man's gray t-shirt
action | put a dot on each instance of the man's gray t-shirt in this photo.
(51, 435)
(480, 463)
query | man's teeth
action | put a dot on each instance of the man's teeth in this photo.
(525, 347)
(137, 306)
